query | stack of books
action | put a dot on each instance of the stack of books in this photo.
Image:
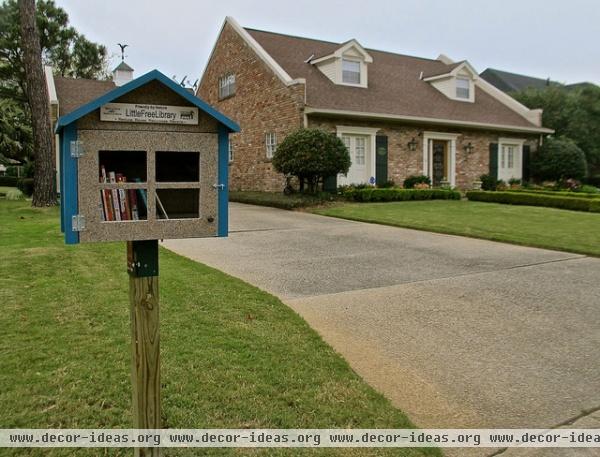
(120, 204)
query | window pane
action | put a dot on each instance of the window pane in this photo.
(350, 72)
(462, 87)
(360, 151)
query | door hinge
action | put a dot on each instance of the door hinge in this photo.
(219, 186)
(76, 148)
(78, 223)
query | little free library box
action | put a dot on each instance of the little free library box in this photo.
(146, 161)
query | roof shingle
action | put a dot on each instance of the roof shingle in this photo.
(394, 85)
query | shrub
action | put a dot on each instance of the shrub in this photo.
(409, 183)
(533, 199)
(588, 189)
(559, 193)
(559, 159)
(387, 184)
(8, 181)
(395, 194)
(592, 180)
(279, 200)
(15, 194)
(311, 155)
(488, 182)
(25, 185)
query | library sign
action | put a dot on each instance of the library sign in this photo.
(160, 114)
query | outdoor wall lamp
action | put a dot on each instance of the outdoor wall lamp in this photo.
(412, 144)
(469, 148)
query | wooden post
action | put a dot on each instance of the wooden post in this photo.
(142, 265)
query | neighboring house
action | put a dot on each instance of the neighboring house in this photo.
(514, 82)
(398, 115)
(68, 94)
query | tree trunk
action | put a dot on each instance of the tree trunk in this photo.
(44, 193)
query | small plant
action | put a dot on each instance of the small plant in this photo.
(386, 185)
(421, 186)
(409, 183)
(588, 189)
(488, 182)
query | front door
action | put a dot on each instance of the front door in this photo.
(358, 147)
(439, 162)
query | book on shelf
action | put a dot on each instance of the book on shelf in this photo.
(120, 204)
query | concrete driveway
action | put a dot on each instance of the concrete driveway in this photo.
(457, 332)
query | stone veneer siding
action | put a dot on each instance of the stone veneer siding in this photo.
(262, 103)
(403, 162)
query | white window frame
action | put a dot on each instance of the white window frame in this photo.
(227, 86)
(230, 151)
(517, 143)
(270, 144)
(356, 62)
(468, 88)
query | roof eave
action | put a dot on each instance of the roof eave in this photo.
(428, 120)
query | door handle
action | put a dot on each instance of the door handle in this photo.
(219, 186)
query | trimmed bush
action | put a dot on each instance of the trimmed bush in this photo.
(312, 155)
(533, 199)
(25, 185)
(488, 182)
(279, 200)
(396, 195)
(559, 159)
(8, 181)
(557, 193)
(409, 183)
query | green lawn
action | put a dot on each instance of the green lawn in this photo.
(232, 355)
(527, 225)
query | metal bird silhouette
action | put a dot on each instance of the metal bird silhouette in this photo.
(122, 46)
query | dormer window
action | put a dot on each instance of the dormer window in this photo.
(455, 81)
(346, 66)
(350, 71)
(463, 86)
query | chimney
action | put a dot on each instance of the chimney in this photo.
(122, 74)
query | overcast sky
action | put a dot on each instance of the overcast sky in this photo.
(550, 38)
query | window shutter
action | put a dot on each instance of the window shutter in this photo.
(494, 160)
(381, 160)
(526, 174)
(330, 184)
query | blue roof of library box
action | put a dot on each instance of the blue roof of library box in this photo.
(153, 75)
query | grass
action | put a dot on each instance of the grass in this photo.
(550, 228)
(232, 355)
(279, 200)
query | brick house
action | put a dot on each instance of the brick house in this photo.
(398, 115)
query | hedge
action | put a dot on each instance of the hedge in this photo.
(398, 195)
(278, 199)
(8, 181)
(556, 193)
(533, 199)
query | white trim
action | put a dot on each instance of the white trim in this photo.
(465, 65)
(342, 49)
(428, 166)
(532, 115)
(430, 120)
(50, 85)
(258, 49)
(371, 133)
